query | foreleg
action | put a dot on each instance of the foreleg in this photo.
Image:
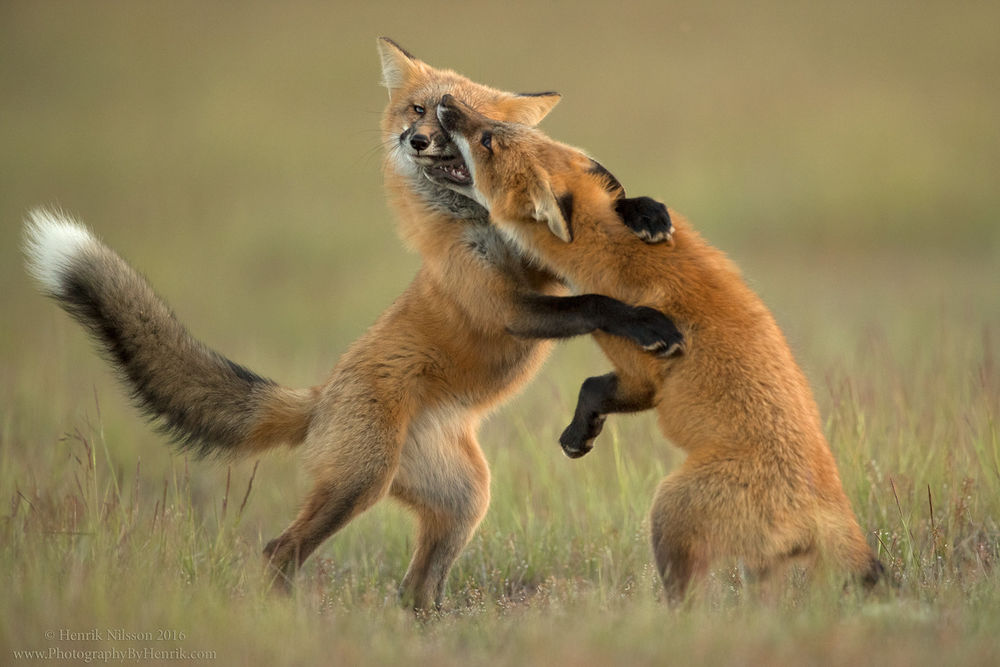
(600, 396)
(542, 316)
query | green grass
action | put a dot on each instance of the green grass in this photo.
(845, 155)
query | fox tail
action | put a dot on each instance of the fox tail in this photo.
(203, 401)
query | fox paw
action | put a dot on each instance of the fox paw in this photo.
(647, 218)
(578, 438)
(654, 332)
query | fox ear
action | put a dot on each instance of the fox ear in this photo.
(556, 212)
(529, 108)
(398, 65)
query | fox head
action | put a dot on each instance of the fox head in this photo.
(514, 170)
(418, 150)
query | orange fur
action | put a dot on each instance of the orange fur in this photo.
(399, 413)
(759, 484)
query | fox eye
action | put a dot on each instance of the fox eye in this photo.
(487, 140)
(419, 109)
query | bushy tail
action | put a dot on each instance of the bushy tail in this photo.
(204, 401)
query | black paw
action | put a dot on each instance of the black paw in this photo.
(646, 217)
(651, 330)
(578, 438)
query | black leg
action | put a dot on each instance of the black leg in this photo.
(541, 316)
(599, 396)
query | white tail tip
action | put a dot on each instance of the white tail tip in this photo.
(52, 240)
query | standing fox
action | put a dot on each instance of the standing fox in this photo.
(759, 483)
(399, 413)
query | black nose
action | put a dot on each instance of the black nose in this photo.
(420, 142)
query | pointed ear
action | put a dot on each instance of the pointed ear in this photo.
(528, 108)
(399, 67)
(556, 212)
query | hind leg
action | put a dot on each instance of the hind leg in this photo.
(704, 511)
(845, 549)
(330, 505)
(679, 547)
(729, 509)
(444, 478)
(352, 460)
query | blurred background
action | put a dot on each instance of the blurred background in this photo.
(847, 155)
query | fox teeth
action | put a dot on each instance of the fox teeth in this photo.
(457, 172)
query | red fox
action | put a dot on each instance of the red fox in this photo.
(759, 483)
(399, 413)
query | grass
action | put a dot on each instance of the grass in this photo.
(845, 156)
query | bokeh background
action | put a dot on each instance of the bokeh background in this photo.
(846, 155)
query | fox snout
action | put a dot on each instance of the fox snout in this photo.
(423, 136)
(419, 142)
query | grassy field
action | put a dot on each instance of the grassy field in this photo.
(846, 155)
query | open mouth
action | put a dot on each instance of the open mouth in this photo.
(451, 169)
